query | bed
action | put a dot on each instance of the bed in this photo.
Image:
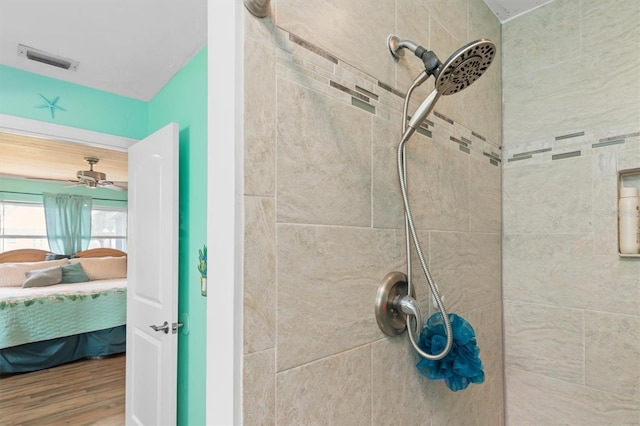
(51, 324)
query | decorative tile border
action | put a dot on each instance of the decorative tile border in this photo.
(571, 145)
(313, 67)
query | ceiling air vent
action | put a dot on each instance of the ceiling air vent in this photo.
(47, 58)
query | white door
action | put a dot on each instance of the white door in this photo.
(152, 294)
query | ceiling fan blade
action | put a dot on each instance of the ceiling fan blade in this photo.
(111, 185)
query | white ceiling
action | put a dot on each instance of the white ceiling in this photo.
(128, 47)
(509, 9)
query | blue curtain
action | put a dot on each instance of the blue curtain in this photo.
(68, 219)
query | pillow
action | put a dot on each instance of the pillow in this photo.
(43, 277)
(103, 268)
(73, 273)
(12, 274)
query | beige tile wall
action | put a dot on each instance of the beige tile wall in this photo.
(571, 304)
(323, 213)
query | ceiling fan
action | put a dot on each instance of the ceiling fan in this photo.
(93, 179)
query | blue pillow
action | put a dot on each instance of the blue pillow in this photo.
(73, 273)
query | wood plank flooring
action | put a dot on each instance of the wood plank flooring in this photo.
(85, 392)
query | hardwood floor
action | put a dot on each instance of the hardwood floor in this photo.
(85, 392)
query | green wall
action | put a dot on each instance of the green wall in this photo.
(182, 100)
(85, 108)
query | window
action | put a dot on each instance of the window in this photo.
(22, 225)
(109, 228)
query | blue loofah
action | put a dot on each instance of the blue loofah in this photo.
(462, 365)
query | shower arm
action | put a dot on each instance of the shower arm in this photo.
(431, 62)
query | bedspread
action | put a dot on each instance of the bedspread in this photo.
(35, 314)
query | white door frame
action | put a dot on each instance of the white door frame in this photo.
(225, 233)
(46, 130)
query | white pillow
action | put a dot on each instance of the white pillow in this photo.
(13, 274)
(103, 268)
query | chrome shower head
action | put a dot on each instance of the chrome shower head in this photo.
(465, 66)
(462, 68)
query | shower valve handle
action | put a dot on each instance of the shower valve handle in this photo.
(409, 306)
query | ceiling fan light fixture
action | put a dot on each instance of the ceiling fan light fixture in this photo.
(47, 58)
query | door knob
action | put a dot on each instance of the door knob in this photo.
(164, 327)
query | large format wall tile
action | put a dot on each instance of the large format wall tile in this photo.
(438, 181)
(485, 195)
(535, 40)
(466, 268)
(487, 323)
(400, 394)
(560, 270)
(412, 23)
(605, 203)
(612, 353)
(352, 30)
(387, 208)
(550, 197)
(326, 293)
(452, 15)
(332, 391)
(260, 119)
(480, 403)
(259, 274)
(323, 172)
(534, 399)
(611, 24)
(259, 388)
(545, 340)
(549, 103)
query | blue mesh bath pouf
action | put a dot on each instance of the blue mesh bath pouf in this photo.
(462, 364)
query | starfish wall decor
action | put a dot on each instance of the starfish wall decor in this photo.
(51, 104)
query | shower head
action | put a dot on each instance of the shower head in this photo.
(462, 68)
(465, 66)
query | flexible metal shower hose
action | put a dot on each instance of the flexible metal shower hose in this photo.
(411, 234)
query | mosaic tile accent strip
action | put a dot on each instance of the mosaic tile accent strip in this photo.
(424, 132)
(363, 105)
(607, 143)
(458, 141)
(313, 48)
(623, 137)
(443, 117)
(349, 91)
(308, 65)
(566, 155)
(529, 153)
(482, 138)
(391, 89)
(584, 143)
(367, 93)
(524, 157)
(569, 136)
